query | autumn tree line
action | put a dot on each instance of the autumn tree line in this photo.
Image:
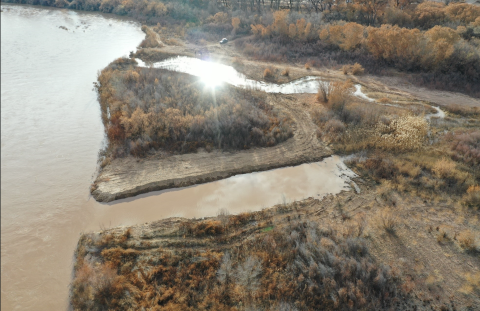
(438, 42)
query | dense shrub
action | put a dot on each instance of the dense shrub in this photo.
(298, 265)
(146, 108)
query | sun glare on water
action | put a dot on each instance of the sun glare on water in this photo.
(212, 74)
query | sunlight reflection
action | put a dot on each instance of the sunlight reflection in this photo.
(214, 74)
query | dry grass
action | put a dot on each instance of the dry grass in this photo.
(444, 168)
(472, 197)
(384, 100)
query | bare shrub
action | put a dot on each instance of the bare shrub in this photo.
(467, 241)
(247, 273)
(388, 220)
(472, 197)
(223, 214)
(340, 94)
(466, 146)
(380, 167)
(443, 236)
(334, 126)
(286, 72)
(345, 69)
(225, 273)
(324, 89)
(308, 65)
(357, 69)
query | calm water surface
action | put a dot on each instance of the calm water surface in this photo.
(51, 132)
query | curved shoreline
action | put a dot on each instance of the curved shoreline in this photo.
(121, 189)
(127, 177)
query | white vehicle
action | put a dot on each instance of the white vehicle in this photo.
(223, 41)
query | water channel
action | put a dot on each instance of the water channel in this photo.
(51, 132)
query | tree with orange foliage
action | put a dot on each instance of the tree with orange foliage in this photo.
(292, 31)
(462, 12)
(429, 14)
(348, 37)
(394, 43)
(279, 25)
(235, 24)
(371, 9)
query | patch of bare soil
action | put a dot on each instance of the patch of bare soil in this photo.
(442, 98)
(126, 177)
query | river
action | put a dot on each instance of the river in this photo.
(51, 133)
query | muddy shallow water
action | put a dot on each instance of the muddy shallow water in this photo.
(51, 132)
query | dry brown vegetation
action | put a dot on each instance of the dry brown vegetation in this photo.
(439, 42)
(295, 263)
(399, 147)
(409, 240)
(146, 109)
(343, 252)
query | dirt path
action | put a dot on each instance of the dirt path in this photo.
(128, 177)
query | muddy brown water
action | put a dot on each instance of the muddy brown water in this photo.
(51, 132)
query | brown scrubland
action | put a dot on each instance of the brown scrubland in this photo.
(378, 250)
(145, 109)
(409, 239)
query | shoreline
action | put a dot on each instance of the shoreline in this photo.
(128, 177)
(106, 193)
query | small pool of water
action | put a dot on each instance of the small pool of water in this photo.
(214, 74)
